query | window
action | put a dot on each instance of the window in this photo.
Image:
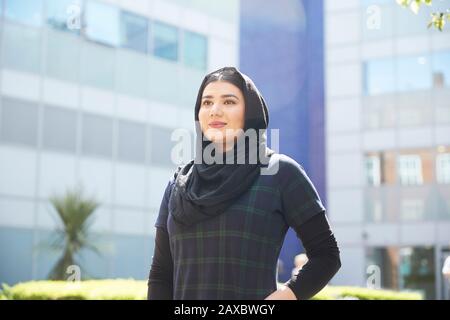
(417, 270)
(372, 166)
(131, 141)
(407, 73)
(133, 32)
(59, 131)
(165, 41)
(443, 168)
(64, 14)
(414, 73)
(102, 23)
(19, 122)
(405, 268)
(386, 259)
(24, 11)
(379, 76)
(97, 135)
(441, 69)
(410, 170)
(194, 50)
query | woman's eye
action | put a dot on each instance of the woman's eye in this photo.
(208, 103)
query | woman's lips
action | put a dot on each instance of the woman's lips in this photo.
(217, 124)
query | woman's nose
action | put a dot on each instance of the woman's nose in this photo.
(216, 109)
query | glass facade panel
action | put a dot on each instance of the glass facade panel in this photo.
(414, 73)
(133, 73)
(97, 135)
(64, 14)
(417, 271)
(405, 268)
(414, 108)
(408, 23)
(19, 122)
(21, 48)
(24, 11)
(165, 41)
(194, 50)
(102, 23)
(59, 130)
(379, 111)
(131, 143)
(378, 19)
(379, 76)
(97, 66)
(407, 73)
(441, 69)
(134, 32)
(63, 55)
(165, 81)
(161, 146)
(387, 260)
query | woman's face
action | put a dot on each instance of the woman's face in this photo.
(222, 108)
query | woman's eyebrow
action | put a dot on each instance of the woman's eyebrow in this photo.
(223, 96)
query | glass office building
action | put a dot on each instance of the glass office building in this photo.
(388, 143)
(90, 92)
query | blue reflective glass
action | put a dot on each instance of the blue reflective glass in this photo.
(441, 69)
(414, 73)
(64, 14)
(165, 41)
(24, 11)
(195, 50)
(133, 32)
(379, 76)
(102, 23)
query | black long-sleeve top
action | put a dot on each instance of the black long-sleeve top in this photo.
(317, 238)
(233, 255)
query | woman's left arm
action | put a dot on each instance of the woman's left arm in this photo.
(323, 261)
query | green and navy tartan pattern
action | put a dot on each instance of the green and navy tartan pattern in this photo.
(234, 255)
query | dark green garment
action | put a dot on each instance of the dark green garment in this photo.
(234, 255)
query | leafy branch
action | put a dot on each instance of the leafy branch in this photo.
(438, 19)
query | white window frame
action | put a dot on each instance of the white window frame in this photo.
(410, 170)
(373, 175)
(443, 168)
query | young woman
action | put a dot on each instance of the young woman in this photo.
(221, 224)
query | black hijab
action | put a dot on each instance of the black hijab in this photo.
(204, 189)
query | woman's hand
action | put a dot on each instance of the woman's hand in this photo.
(283, 293)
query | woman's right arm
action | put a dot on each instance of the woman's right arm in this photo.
(160, 283)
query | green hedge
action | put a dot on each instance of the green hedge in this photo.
(128, 289)
(118, 289)
(333, 293)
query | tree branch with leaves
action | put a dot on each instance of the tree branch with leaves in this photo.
(438, 19)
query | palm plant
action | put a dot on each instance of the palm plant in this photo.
(75, 213)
